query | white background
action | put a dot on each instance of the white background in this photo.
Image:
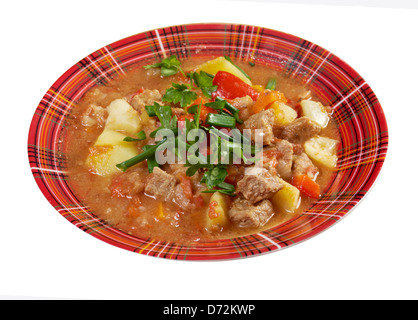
(370, 254)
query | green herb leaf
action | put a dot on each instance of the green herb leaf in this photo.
(164, 114)
(271, 84)
(169, 66)
(213, 176)
(151, 109)
(141, 136)
(221, 104)
(222, 187)
(192, 109)
(205, 82)
(180, 93)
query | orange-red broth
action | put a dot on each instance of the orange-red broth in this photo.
(139, 215)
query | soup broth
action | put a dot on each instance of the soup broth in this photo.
(166, 203)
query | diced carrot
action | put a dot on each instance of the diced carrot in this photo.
(160, 211)
(265, 99)
(306, 185)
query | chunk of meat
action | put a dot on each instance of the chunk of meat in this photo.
(263, 121)
(94, 115)
(243, 104)
(129, 183)
(278, 158)
(177, 170)
(160, 184)
(146, 98)
(258, 184)
(182, 200)
(302, 164)
(300, 130)
(245, 214)
(178, 111)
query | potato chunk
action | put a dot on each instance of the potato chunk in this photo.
(283, 114)
(122, 117)
(316, 112)
(216, 214)
(286, 198)
(108, 151)
(322, 150)
(221, 64)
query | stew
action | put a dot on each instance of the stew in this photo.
(199, 149)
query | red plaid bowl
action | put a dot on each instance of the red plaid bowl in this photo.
(359, 115)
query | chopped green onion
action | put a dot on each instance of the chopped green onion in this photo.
(149, 152)
(220, 104)
(151, 161)
(220, 120)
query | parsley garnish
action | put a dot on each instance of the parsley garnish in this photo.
(164, 114)
(215, 172)
(180, 93)
(169, 66)
(204, 81)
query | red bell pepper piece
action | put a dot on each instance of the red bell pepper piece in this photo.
(231, 87)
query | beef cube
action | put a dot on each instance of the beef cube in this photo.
(244, 214)
(258, 184)
(263, 121)
(302, 164)
(300, 130)
(278, 158)
(243, 104)
(180, 199)
(160, 184)
(146, 98)
(178, 111)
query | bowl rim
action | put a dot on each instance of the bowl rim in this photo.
(43, 167)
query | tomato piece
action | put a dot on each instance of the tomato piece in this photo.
(186, 185)
(199, 201)
(231, 87)
(212, 213)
